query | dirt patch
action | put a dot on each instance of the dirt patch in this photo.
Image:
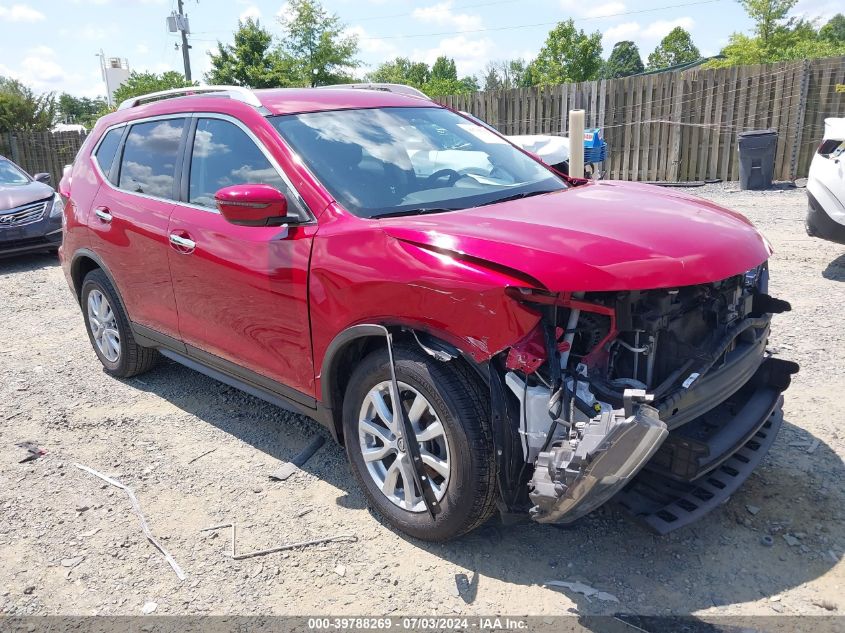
(70, 544)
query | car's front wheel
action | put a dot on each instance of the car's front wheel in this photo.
(446, 406)
(109, 331)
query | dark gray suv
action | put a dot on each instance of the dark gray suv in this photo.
(30, 212)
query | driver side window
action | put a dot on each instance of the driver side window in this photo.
(224, 155)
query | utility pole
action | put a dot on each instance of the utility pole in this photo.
(179, 22)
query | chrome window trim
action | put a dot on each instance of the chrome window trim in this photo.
(99, 142)
(262, 148)
(129, 124)
(197, 115)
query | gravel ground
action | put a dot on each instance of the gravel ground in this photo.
(69, 543)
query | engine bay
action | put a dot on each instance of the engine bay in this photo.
(602, 380)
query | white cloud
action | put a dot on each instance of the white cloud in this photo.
(382, 49)
(142, 48)
(660, 28)
(285, 12)
(20, 13)
(822, 10)
(645, 37)
(581, 9)
(250, 12)
(620, 32)
(40, 68)
(161, 67)
(470, 54)
(37, 69)
(604, 10)
(96, 32)
(441, 13)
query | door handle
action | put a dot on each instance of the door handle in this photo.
(182, 242)
(104, 214)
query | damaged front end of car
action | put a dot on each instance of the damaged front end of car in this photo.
(662, 399)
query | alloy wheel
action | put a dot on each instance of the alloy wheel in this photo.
(384, 450)
(103, 324)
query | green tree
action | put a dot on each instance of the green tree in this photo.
(252, 60)
(443, 87)
(834, 30)
(444, 68)
(568, 55)
(676, 48)
(516, 73)
(492, 80)
(624, 61)
(143, 83)
(778, 37)
(401, 70)
(83, 111)
(769, 18)
(313, 42)
(507, 74)
(444, 79)
(21, 110)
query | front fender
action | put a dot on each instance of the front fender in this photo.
(364, 276)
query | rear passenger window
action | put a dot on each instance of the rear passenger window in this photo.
(149, 158)
(107, 149)
(224, 155)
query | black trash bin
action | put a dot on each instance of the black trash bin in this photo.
(757, 158)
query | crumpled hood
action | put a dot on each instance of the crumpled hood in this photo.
(607, 235)
(12, 196)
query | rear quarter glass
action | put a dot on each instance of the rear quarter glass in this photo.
(104, 154)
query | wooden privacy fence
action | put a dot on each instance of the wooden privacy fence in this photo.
(668, 126)
(41, 151)
(683, 125)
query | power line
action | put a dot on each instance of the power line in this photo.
(460, 8)
(536, 24)
(494, 28)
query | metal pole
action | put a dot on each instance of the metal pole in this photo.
(186, 58)
(576, 143)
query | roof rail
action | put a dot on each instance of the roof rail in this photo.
(238, 93)
(402, 89)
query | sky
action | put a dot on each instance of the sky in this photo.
(51, 45)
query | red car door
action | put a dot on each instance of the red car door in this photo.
(241, 291)
(130, 218)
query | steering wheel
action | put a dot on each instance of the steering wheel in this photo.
(450, 174)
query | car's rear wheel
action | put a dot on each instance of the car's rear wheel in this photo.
(109, 331)
(446, 406)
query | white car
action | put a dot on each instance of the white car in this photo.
(552, 150)
(826, 185)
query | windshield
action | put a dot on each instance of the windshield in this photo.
(11, 175)
(403, 161)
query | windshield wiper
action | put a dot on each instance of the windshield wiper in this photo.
(422, 211)
(518, 196)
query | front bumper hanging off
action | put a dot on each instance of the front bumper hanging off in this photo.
(704, 462)
(665, 478)
(569, 483)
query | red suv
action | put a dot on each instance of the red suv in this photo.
(481, 332)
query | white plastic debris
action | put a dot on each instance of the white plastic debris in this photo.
(690, 379)
(136, 508)
(584, 589)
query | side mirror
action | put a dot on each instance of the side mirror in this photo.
(43, 177)
(254, 205)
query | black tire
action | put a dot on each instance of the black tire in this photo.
(132, 359)
(458, 398)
